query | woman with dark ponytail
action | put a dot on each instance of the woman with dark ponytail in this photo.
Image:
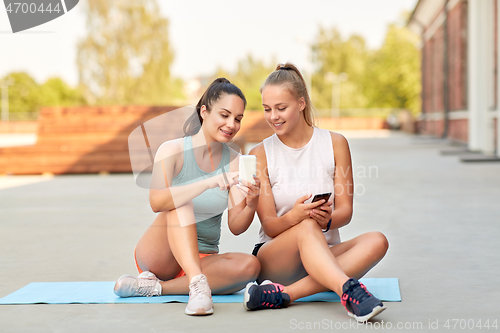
(299, 244)
(211, 95)
(192, 184)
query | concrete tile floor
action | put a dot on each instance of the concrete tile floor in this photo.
(442, 219)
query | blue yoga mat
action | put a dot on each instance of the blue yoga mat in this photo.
(386, 289)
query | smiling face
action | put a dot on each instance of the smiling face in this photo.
(282, 110)
(224, 120)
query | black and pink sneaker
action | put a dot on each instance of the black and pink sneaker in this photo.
(359, 303)
(268, 295)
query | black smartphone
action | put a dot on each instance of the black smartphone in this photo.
(318, 197)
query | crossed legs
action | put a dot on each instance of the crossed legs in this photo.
(300, 259)
(167, 247)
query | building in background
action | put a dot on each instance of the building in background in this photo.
(460, 85)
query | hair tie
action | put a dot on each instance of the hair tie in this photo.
(285, 68)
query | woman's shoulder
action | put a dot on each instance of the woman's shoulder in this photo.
(337, 138)
(169, 148)
(340, 144)
(258, 150)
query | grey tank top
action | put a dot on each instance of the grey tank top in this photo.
(208, 206)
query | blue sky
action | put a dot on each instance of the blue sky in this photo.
(207, 34)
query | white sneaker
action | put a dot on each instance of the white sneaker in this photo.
(146, 284)
(200, 297)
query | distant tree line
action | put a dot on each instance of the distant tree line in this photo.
(26, 96)
(388, 77)
(126, 55)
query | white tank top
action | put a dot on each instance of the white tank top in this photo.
(295, 172)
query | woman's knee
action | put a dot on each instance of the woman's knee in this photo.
(379, 243)
(307, 227)
(252, 267)
(248, 267)
(188, 205)
(159, 260)
(182, 215)
(153, 263)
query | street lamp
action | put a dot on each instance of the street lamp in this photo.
(336, 80)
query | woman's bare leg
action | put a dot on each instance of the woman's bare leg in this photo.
(301, 259)
(166, 248)
(183, 239)
(226, 273)
(355, 257)
(156, 253)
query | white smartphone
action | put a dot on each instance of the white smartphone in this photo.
(248, 167)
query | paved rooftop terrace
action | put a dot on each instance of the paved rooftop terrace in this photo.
(441, 216)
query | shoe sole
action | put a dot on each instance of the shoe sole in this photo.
(363, 319)
(199, 312)
(246, 297)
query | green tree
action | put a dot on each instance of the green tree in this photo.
(26, 96)
(55, 92)
(394, 72)
(332, 54)
(24, 93)
(249, 77)
(385, 78)
(126, 56)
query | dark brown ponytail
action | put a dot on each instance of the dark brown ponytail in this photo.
(210, 96)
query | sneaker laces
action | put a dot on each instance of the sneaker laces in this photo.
(271, 298)
(146, 283)
(146, 287)
(200, 287)
(358, 292)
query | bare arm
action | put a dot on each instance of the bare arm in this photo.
(343, 180)
(242, 203)
(168, 162)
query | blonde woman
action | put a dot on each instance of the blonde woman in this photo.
(299, 244)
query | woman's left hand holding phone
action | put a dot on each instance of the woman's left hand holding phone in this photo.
(322, 214)
(251, 192)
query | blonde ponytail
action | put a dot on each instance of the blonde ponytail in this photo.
(289, 75)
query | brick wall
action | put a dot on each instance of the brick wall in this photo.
(433, 75)
(495, 73)
(457, 52)
(458, 130)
